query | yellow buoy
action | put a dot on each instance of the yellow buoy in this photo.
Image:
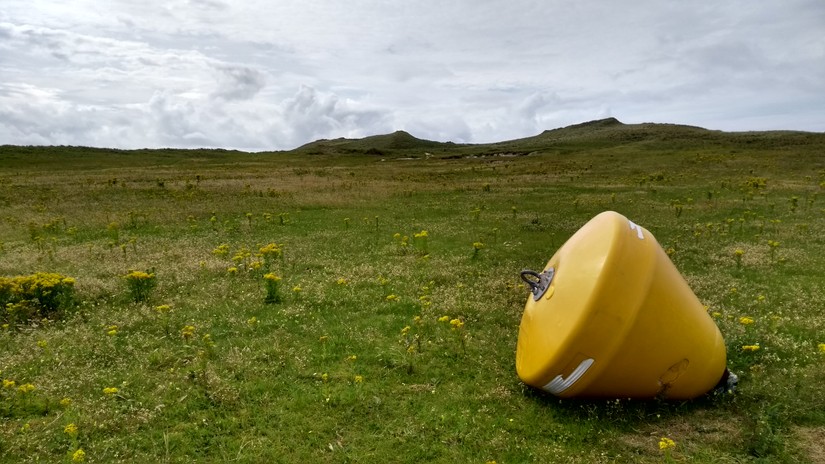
(610, 316)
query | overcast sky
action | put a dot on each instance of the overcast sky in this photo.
(263, 75)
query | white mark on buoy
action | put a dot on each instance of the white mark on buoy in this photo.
(560, 384)
(634, 226)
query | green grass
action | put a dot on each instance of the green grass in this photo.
(330, 374)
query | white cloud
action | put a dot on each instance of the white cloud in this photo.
(273, 75)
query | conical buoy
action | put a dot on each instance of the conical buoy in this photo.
(611, 316)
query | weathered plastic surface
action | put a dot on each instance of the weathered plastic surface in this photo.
(618, 320)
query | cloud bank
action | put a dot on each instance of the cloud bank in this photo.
(261, 75)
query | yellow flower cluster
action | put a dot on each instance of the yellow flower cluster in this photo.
(822, 347)
(70, 430)
(187, 332)
(164, 308)
(43, 290)
(110, 390)
(444, 319)
(272, 277)
(666, 443)
(456, 324)
(241, 255)
(392, 297)
(26, 388)
(750, 348)
(271, 251)
(745, 320)
(222, 250)
(140, 284)
(9, 383)
(79, 455)
(139, 275)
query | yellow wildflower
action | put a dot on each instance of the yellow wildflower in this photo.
(9, 383)
(70, 430)
(272, 277)
(25, 388)
(359, 378)
(111, 330)
(79, 455)
(392, 297)
(187, 331)
(139, 275)
(822, 347)
(341, 281)
(232, 270)
(65, 402)
(745, 320)
(405, 330)
(456, 324)
(271, 250)
(297, 289)
(221, 250)
(165, 308)
(666, 443)
(443, 318)
(42, 344)
(110, 390)
(324, 377)
(352, 357)
(478, 245)
(750, 347)
(252, 321)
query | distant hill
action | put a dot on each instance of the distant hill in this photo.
(603, 135)
(374, 145)
(609, 133)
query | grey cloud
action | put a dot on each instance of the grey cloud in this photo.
(238, 83)
(211, 4)
(220, 73)
(311, 115)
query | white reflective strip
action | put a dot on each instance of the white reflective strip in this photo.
(560, 384)
(634, 226)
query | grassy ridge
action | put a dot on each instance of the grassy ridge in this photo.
(332, 373)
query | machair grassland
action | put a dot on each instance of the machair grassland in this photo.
(359, 301)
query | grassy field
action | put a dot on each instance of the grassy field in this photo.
(359, 301)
